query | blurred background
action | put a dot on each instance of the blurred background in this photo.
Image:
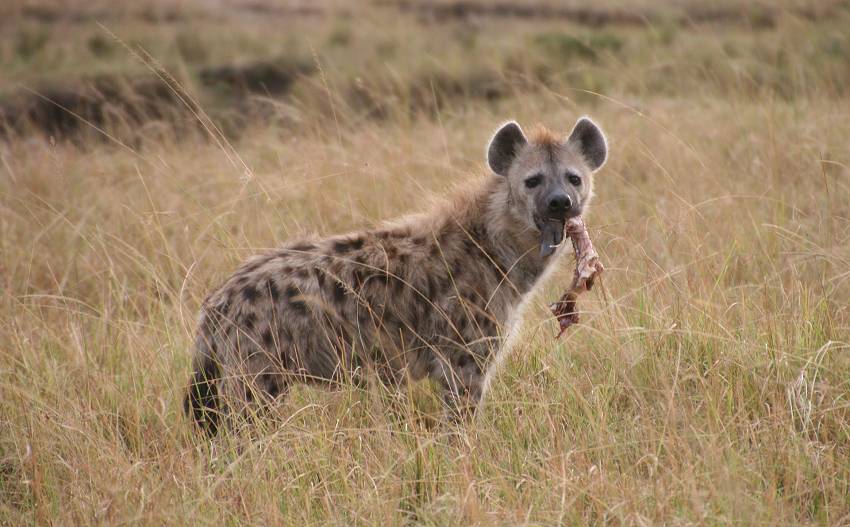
(142, 68)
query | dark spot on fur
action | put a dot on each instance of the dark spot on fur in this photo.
(284, 338)
(419, 240)
(339, 292)
(360, 261)
(478, 232)
(253, 266)
(343, 246)
(457, 268)
(464, 360)
(268, 339)
(302, 274)
(298, 306)
(463, 325)
(228, 331)
(471, 249)
(393, 321)
(247, 321)
(274, 291)
(485, 326)
(501, 270)
(364, 317)
(398, 284)
(250, 294)
(274, 389)
(269, 383)
(303, 247)
(398, 233)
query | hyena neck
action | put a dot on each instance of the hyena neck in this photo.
(505, 239)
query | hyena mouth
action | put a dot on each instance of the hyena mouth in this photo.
(551, 234)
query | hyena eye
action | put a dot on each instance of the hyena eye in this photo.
(573, 179)
(533, 181)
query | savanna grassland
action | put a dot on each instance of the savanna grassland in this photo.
(148, 148)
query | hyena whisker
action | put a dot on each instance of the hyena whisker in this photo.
(433, 295)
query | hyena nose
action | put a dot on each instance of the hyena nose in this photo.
(558, 205)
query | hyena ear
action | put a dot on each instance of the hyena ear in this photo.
(591, 142)
(504, 146)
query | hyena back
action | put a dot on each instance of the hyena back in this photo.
(430, 295)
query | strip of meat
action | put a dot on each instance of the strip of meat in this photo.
(588, 268)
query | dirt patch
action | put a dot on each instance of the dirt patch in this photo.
(756, 16)
(112, 101)
(62, 111)
(47, 14)
(80, 14)
(231, 94)
(265, 8)
(467, 9)
(265, 77)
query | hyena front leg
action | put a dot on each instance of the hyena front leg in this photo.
(462, 380)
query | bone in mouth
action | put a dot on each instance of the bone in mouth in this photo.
(588, 268)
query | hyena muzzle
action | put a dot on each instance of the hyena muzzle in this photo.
(431, 295)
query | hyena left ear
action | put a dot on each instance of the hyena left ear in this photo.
(591, 142)
(504, 146)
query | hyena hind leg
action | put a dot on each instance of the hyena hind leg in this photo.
(251, 399)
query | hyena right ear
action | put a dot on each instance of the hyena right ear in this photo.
(504, 146)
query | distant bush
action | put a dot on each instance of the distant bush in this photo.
(191, 48)
(836, 46)
(31, 40)
(566, 47)
(100, 46)
(387, 48)
(340, 36)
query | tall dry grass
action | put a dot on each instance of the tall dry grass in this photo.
(708, 383)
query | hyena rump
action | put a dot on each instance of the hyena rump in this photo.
(429, 295)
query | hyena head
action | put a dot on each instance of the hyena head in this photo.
(549, 178)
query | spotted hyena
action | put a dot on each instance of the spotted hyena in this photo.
(430, 295)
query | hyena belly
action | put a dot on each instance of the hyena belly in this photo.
(398, 304)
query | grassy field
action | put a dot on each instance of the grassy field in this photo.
(709, 382)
